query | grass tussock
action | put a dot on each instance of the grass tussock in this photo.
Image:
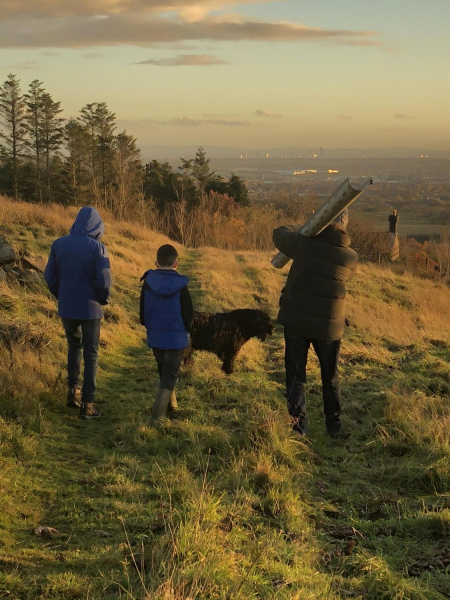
(223, 501)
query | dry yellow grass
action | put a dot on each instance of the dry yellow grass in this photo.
(223, 501)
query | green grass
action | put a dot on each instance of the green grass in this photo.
(224, 501)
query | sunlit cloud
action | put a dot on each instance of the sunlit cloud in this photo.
(201, 60)
(139, 30)
(403, 116)
(268, 114)
(344, 118)
(94, 55)
(190, 9)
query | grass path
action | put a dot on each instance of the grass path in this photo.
(224, 501)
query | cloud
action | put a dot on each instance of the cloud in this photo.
(344, 118)
(268, 113)
(188, 122)
(26, 64)
(202, 60)
(50, 54)
(93, 55)
(140, 30)
(10, 9)
(375, 43)
(403, 116)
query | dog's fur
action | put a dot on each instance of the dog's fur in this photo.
(226, 333)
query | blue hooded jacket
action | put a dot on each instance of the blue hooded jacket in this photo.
(162, 315)
(78, 272)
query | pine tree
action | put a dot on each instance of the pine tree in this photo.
(77, 143)
(52, 135)
(34, 127)
(198, 167)
(128, 174)
(13, 113)
(88, 121)
(100, 124)
(106, 125)
(238, 190)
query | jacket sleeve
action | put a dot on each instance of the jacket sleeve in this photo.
(51, 275)
(187, 309)
(141, 303)
(103, 281)
(285, 239)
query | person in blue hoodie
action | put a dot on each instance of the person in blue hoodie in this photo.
(166, 311)
(78, 274)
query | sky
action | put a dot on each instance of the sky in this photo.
(246, 73)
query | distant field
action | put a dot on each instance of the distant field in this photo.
(408, 224)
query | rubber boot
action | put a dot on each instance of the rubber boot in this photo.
(173, 403)
(159, 408)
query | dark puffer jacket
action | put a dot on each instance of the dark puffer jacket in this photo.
(313, 301)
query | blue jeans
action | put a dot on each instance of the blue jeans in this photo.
(82, 336)
(296, 357)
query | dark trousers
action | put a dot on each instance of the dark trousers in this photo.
(82, 336)
(296, 357)
(169, 362)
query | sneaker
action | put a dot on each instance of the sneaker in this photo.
(89, 411)
(74, 398)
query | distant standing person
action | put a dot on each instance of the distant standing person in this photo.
(78, 274)
(312, 310)
(166, 311)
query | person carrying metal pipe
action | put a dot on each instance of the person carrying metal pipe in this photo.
(312, 311)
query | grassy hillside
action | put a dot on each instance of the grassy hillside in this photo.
(224, 501)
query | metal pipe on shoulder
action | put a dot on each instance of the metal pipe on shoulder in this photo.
(339, 200)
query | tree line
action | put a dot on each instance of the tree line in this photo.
(83, 159)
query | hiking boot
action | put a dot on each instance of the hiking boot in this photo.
(88, 410)
(301, 426)
(159, 408)
(173, 404)
(74, 398)
(334, 429)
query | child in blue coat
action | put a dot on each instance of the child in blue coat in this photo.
(166, 311)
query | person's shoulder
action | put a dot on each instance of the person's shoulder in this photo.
(60, 242)
(183, 277)
(144, 276)
(98, 246)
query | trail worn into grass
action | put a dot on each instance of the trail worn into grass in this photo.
(224, 501)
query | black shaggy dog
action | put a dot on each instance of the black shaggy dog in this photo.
(226, 333)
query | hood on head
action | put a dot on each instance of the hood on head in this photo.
(165, 282)
(88, 222)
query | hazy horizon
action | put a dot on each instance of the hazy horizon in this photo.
(243, 73)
